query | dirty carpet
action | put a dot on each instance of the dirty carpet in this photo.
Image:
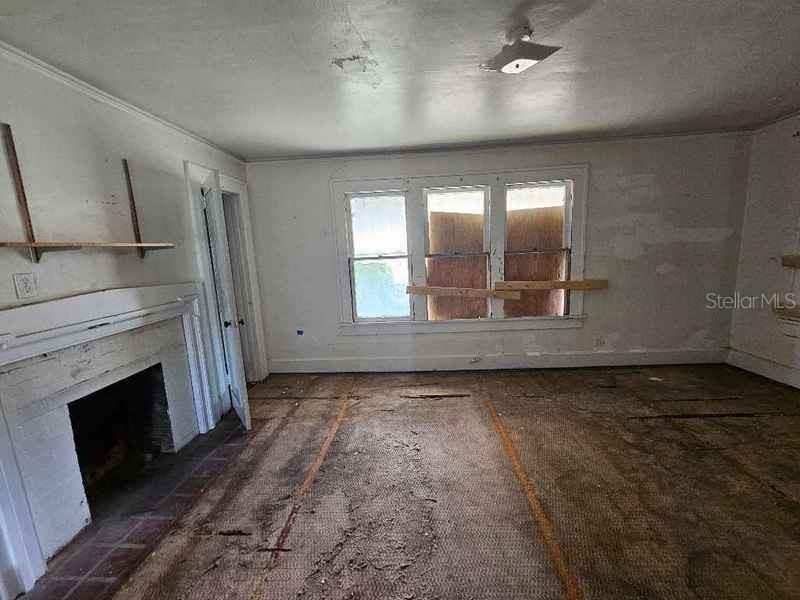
(669, 482)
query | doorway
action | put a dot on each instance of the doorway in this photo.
(232, 302)
(229, 323)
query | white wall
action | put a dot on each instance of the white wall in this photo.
(771, 228)
(663, 226)
(70, 149)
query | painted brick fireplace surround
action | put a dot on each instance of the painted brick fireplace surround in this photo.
(55, 353)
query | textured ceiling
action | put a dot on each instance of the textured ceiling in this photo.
(267, 78)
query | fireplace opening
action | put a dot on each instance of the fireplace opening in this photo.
(118, 430)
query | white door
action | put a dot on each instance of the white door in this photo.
(229, 319)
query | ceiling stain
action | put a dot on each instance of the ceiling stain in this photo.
(273, 78)
(362, 63)
(545, 16)
(363, 69)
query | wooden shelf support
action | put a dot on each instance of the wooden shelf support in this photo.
(137, 234)
(19, 187)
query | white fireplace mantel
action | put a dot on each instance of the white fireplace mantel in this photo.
(39, 329)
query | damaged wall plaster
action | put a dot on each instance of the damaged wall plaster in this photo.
(652, 202)
(70, 149)
(771, 229)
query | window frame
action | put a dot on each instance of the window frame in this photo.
(352, 258)
(414, 189)
(566, 242)
(487, 192)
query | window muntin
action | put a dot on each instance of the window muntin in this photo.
(457, 250)
(379, 270)
(535, 247)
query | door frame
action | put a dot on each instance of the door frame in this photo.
(195, 174)
(253, 317)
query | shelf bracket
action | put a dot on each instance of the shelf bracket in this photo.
(137, 234)
(19, 188)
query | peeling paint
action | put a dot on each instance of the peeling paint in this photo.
(360, 67)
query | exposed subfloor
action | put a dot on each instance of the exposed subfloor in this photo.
(667, 482)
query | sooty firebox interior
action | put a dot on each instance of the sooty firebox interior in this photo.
(118, 430)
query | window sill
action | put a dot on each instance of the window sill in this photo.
(460, 325)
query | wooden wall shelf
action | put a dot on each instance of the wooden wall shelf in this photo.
(38, 247)
(791, 261)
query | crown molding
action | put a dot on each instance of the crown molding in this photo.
(469, 147)
(17, 56)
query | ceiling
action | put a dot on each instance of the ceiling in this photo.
(275, 78)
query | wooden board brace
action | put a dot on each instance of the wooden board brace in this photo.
(19, 188)
(427, 290)
(137, 234)
(580, 285)
(788, 313)
(791, 261)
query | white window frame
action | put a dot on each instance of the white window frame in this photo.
(352, 258)
(413, 188)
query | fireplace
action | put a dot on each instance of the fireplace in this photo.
(118, 430)
(87, 412)
(71, 364)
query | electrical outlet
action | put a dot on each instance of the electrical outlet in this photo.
(26, 286)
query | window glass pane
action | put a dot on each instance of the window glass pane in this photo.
(378, 225)
(380, 288)
(455, 220)
(457, 271)
(535, 221)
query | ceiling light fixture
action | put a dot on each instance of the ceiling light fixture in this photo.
(521, 54)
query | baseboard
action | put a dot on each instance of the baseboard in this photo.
(498, 361)
(764, 367)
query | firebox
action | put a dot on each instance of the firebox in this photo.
(118, 430)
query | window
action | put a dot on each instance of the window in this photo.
(465, 232)
(379, 260)
(457, 251)
(535, 246)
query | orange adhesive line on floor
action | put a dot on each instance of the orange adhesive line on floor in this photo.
(302, 492)
(571, 589)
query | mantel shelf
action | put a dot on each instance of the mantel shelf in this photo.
(791, 261)
(37, 248)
